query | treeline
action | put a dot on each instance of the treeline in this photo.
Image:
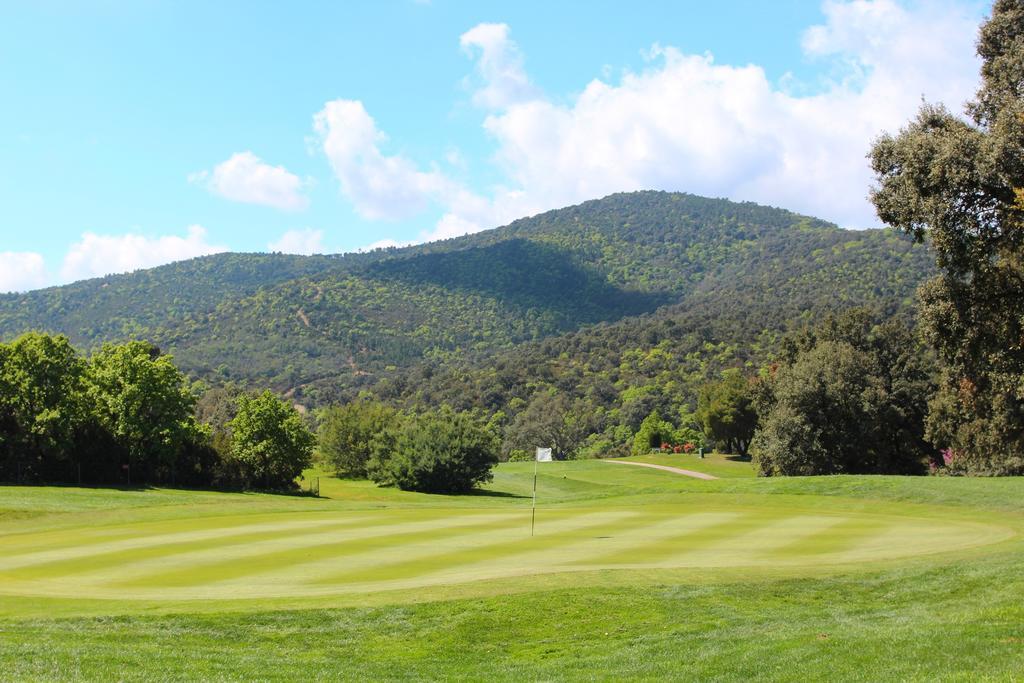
(127, 415)
(848, 395)
(588, 393)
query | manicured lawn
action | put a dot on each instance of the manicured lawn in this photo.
(717, 464)
(632, 573)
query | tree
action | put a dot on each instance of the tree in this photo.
(815, 426)
(349, 434)
(141, 398)
(960, 184)
(639, 402)
(552, 420)
(846, 398)
(441, 452)
(726, 410)
(270, 439)
(41, 407)
(216, 407)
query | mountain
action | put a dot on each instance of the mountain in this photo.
(323, 327)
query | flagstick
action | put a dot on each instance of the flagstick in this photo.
(533, 514)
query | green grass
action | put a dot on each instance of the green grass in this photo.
(632, 573)
(716, 464)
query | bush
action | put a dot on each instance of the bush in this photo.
(653, 433)
(443, 452)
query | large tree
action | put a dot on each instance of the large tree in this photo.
(270, 439)
(553, 420)
(41, 407)
(960, 184)
(725, 409)
(437, 452)
(140, 397)
(847, 397)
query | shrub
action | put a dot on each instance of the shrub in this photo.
(443, 452)
(653, 433)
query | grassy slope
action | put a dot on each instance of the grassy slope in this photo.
(715, 464)
(949, 616)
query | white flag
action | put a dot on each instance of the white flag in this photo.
(543, 455)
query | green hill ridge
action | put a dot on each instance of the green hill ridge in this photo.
(640, 267)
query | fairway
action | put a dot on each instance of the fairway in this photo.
(328, 551)
(632, 573)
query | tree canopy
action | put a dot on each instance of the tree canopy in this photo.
(846, 398)
(270, 440)
(142, 399)
(350, 434)
(726, 410)
(127, 415)
(960, 184)
(41, 406)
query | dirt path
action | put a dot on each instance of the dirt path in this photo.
(677, 470)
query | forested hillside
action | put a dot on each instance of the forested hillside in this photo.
(563, 295)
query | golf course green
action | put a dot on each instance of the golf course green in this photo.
(110, 565)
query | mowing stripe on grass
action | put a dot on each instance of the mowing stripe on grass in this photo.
(925, 537)
(192, 569)
(553, 554)
(706, 526)
(726, 536)
(143, 540)
(755, 545)
(556, 533)
(104, 561)
(291, 569)
(846, 535)
(542, 553)
(20, 544)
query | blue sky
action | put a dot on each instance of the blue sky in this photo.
(135, 133)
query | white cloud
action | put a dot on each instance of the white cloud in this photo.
(455, 158)
(307, 241)
(246, 178)
(21, 271)
(381, 187)
(683, 123)
(499, 67)
(687, 123)
(97, 255)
